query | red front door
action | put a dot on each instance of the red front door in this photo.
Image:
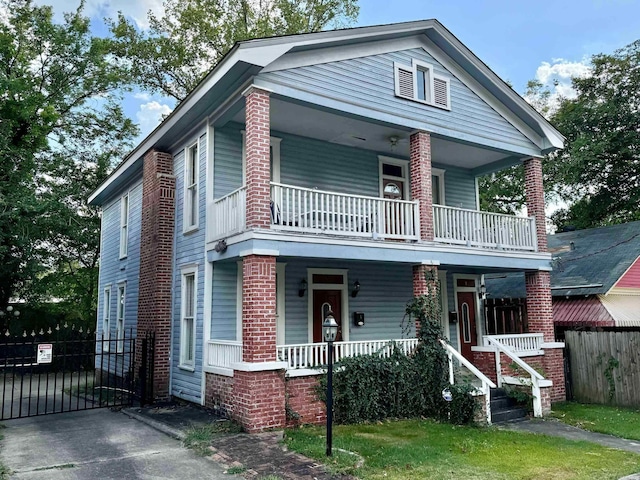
(323, 302)
(467, 323)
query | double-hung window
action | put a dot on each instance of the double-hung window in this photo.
(191, 164)
(122, 294)
(106, 318)
(188, 317)
(124, 225)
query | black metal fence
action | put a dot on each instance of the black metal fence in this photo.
(44, 374)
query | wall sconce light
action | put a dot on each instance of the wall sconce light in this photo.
(302, 288)
(356, 289)
(482, 293)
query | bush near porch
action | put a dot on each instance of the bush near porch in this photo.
(617, 421)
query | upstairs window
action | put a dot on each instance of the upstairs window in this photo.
(191, 163)
(124, 225)
(419, 83)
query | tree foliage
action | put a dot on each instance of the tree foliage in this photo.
(193, 35)
(58, 111)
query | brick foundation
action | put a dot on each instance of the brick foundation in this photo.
(259, 400)
(302, 402)
(156, 265)
(545, 398)
(553, 365)
(486, 363)
(218, 394)
(420, 171)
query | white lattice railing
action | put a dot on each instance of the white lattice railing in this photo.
(228, 214)
(311, 355)
(317, 211)
(521, 344)
(483, 229)
(223, 353)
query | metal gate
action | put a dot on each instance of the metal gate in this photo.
(69, 370)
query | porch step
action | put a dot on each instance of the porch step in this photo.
(504, 408)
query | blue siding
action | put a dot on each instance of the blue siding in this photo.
(367, 83)
(312, 163)
(114, 270)
(189, 250)
(223, 301)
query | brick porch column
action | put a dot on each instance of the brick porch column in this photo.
(258, 388)
(156, 265)
(420, 170)
(258, 156)
(423, 286)
(534, 192)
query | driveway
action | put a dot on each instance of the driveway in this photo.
(97, 444)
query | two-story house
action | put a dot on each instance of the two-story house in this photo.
(317, 172)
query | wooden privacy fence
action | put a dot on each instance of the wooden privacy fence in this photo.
(605, 367)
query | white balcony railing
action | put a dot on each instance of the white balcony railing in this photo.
(228, 214)
(483, 229)
(525, 344)
(223, 353)
(311, 355)
(300, 209)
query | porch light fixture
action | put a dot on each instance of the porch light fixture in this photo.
(482, 293)
(329, 332)
(356, 289)
(302, 288)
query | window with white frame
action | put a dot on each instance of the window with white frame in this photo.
(106, 317)
(420, 83)
(188, 317)
(124, 225)
(122, 294)
(191, 163)
(437, 186)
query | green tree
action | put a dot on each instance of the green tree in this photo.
(59, 87)
(182, 46)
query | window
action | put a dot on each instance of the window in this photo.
(122, 288)
(437, 186)
(191, 170)
(420, 83)
(124, 225)
(106, 318)
(394, 178)
(188, 315)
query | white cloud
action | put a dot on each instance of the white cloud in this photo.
(150, 115)
(145, 97)
(136, 9)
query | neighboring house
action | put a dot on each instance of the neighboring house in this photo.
(595, 282)
(317, 172)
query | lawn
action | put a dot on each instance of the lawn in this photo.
(425, 449)
(621, 422)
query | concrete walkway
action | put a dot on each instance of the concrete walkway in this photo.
(555, 428)
(98, 444)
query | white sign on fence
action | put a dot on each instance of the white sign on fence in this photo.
(45, 353)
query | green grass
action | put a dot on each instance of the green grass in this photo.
(425, 449)
(621, 422)
(199, 437)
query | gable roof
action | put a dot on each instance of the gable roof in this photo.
(585, 262)
(246, 59)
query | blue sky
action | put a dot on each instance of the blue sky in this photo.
(519, 40)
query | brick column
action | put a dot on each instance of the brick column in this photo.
(259, 391)
(423, 286)
(534, 191)
(156, 265)
(420, 167)
(257, 158)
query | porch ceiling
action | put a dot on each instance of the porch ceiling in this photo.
(310, 122)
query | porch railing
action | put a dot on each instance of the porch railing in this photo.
(522, 344)
(223, 353)
(484, 229)
(318, 211)
(228, 214)
(311, 355)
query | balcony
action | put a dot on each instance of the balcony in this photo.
(311, 211)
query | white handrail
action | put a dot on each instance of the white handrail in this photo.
(463, 226)
(535, 376)
(521, 344)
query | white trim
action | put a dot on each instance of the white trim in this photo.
(239, 281)
(456, 289)
(124, 225)
(274, 144)
(344, 288)
(208, 266)
(121, 302)
(404, 164)
(551, 345)
(444, 299)
(259, 251)
(259, 366)
(280, 303)
(477, 187)
(439, 174)
(190, 208)
(106, 319)
(185, 272)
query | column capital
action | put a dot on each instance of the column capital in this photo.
(255, 89)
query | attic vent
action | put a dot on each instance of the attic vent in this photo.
(419, 83)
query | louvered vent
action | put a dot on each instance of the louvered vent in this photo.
(440, 92)
(405, 83)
